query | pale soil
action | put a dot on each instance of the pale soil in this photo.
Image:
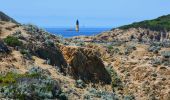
(13, 28)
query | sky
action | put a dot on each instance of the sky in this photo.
(91, 13)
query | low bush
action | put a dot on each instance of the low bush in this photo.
(116, 81)
(12, 41)
(110, 47)
(30, 86)
(154, 49)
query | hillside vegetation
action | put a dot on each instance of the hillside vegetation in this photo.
(123, 64)
(159, 24)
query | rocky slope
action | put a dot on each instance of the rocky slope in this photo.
(137, 58)
(72, 72)
(125, 64)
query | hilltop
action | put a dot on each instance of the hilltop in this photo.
(159, 24)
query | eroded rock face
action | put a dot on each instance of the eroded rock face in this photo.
(85, 64)
(52, 53)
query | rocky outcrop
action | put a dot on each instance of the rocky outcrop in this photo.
(53, 54)
(85, 64)
(4, 17)
(41, 44)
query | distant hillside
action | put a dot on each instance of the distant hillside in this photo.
(4, 17)
(159, 24)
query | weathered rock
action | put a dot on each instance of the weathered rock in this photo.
(85, 64)
(51, 53)
(54, 54)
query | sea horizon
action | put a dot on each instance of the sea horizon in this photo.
(67, 32)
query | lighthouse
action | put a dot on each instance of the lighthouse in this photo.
(77, 25)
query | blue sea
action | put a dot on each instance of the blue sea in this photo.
(68, 33)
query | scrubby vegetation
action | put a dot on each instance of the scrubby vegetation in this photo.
(165, 54)
(49, 43)
(116, 81)
(100, 94)
(12, 41)
(129, 49)
(26, 53)
(41, 34)
(154, 49)
(156, 62)
(158, 24)
(34, 84)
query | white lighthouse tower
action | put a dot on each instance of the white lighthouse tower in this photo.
(77, 25)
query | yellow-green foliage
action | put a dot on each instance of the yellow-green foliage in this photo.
(12, 77)
(12, 41)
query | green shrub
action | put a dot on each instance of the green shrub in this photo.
(110, 47)
(12, 41)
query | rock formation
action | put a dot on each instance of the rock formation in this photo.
(85, 64)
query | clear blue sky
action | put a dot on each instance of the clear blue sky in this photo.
(91, 13)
